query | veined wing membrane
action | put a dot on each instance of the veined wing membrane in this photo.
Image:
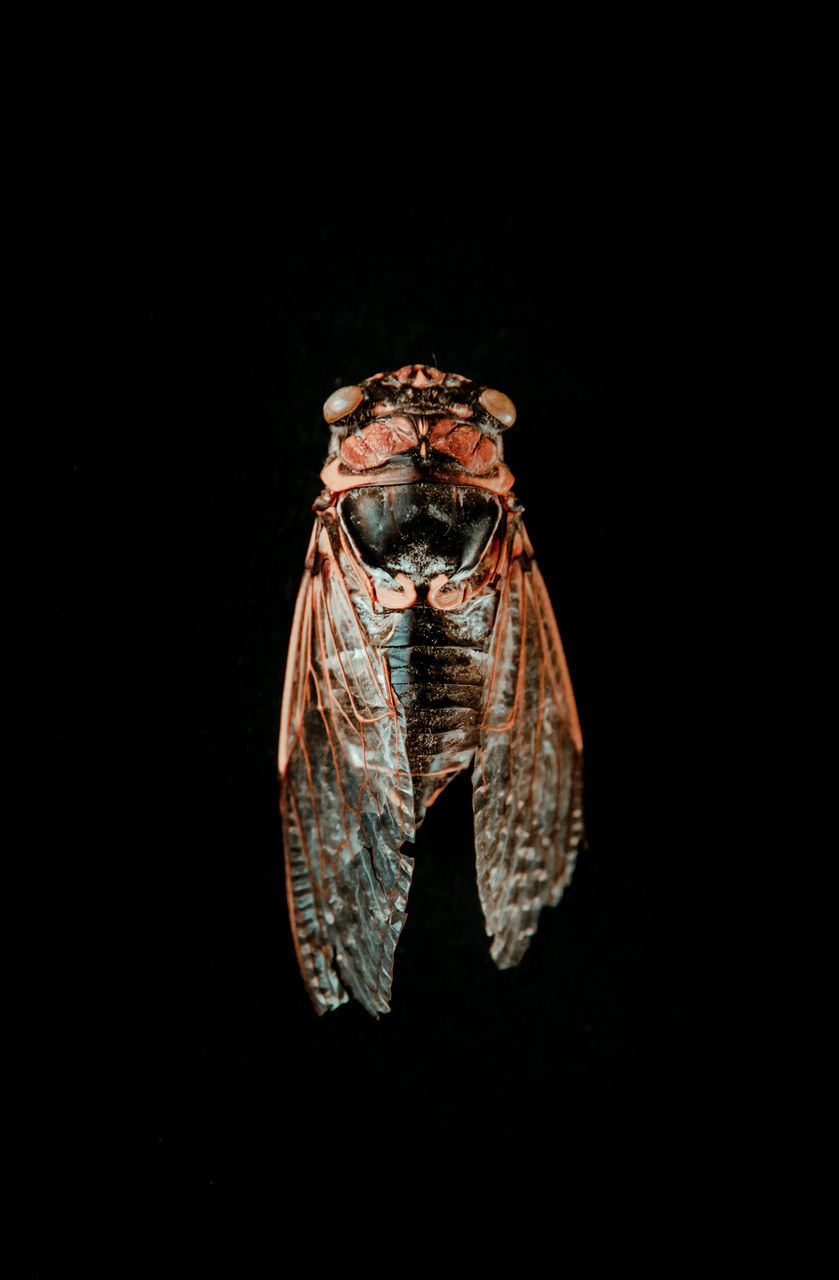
(347, 797)
(527, 779)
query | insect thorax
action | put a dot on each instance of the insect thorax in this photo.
(421, 529)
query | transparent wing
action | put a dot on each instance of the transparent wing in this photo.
(527, 779)
(346, 798)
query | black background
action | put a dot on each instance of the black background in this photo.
(210, 309)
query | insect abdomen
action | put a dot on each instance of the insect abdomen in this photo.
(437, 668)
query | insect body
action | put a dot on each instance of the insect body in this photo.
(423, 643)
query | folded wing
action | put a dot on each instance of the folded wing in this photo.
(347, 797)
(527, 779)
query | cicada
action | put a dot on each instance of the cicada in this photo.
(423, 643)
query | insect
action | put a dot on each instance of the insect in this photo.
(423, 643)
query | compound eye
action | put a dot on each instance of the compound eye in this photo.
(499, 405)
(342, 402)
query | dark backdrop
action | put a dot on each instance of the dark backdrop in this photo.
(210, 311)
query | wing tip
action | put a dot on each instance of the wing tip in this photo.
(508, 951)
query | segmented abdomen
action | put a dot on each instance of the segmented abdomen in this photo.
(437, 665)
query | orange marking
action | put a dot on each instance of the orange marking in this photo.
(402, 599)
(337, 479)
(474, 451)
(378, 442)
